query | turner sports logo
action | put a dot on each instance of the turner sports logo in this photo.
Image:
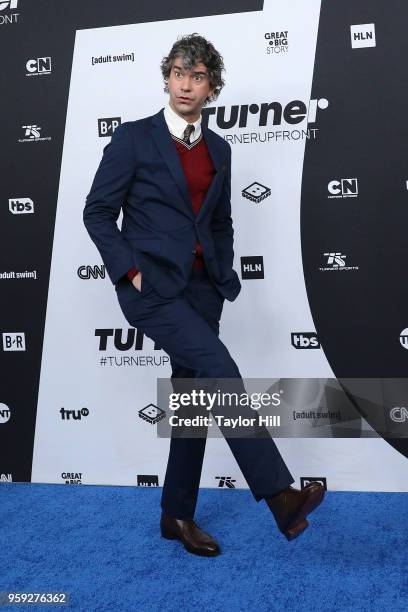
(225, 481)
(5, 16)
(32, 133)
(336, 261)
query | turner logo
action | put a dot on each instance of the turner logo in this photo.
(21, 206)
(362, 35)
(305, 480)
(277, 42)
(5, 413)
(74, 415)
(107, 126)
(404, 338)
(14, 341)
(87, 272)
(38, 66)
(256, 192)
(265, 114)
(123, 340)
(343, 188)
(147, 480)
(399, 414)
(252, 267)
(304, 340)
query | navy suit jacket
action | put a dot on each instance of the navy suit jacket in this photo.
(140, 172)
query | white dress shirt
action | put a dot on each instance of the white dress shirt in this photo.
(177, 124)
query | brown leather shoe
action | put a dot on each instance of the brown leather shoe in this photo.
(194, 539)
(291, 506)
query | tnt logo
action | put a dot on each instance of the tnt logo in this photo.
(40, 65)
(87, 272)
(21, 206)
(304, 340)
(14, 341)
(252, 267)
(256, 192)
(107, 126)
(404, 338)
(304, 481)
(226, 481)
(76, 415)
(344, 188)
(362, 35)
(144, 480)
(152, 414)
(10, 4)
(5, 413)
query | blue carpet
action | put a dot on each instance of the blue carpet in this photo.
(102, 545)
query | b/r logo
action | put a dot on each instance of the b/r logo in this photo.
(14, 341)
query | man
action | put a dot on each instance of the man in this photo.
(171, 265)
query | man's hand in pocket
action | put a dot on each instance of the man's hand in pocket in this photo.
(137, 281)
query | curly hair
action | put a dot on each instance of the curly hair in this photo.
(193, 49)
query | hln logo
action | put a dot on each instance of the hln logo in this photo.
(14, 341)
(304, 340)
(252, 267)
(362, 35)
(107, 126)
(87, 272)
(21, 206)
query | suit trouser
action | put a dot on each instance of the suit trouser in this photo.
(186, 327)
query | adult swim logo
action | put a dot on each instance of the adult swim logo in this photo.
(256, 192)
(335, 261)
(362, 35)
(266, 115)
(6, 17)
(38, 67)
(32, 133)
(277, 42)
(5, 414)
(343, 188)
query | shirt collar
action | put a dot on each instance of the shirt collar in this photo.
(177, 124)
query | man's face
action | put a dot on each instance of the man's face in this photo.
(188, 89)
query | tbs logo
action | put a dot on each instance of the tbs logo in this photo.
(107, 126)
(305, 340)
(21, 206)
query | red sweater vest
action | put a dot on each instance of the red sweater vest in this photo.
(199, 170)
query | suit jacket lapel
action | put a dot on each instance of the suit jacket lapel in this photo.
(168, 151)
